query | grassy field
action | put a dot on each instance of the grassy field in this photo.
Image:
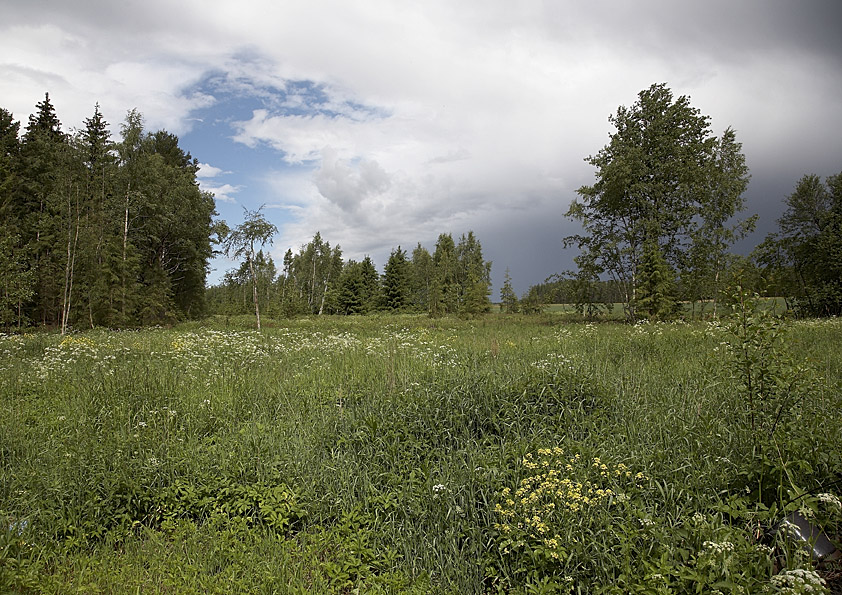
(403, 454)
(699, 310)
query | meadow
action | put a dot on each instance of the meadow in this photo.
(393, 454)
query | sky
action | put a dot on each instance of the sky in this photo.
(386, 122)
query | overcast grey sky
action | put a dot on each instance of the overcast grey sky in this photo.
(381, 123)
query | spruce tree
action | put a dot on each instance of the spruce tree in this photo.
(46, 185)
(508, 297)
(396, 274)
(16, 276)
(656, 284)
(371, 285)
(474, 276)
(444, 289)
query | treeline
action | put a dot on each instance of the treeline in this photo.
(97, 232)
(455, 279)
(116, 233)
(800, 262)
(592, 297)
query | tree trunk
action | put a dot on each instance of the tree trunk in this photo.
(715, 288)
(254, 289)
(71, 263)
(125, 242)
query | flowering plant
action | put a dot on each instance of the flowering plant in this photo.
(563, 506)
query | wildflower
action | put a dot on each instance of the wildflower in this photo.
(718, 548)
(831, 500)
(798, 580)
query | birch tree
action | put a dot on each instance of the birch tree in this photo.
(243, 242)
(661, 178)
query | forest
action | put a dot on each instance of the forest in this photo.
(98, 232)
(455, 279)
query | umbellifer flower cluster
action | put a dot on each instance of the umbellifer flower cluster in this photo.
(558, 486)
(798, 580)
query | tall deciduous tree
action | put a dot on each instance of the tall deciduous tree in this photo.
(716, 231)
(422, 278)
(809, 244)
(242, 242)
(315, 271)
(657, 178)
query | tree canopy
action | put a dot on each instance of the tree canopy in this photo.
(807, 249)
(662, 178)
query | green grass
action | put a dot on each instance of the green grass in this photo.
(333, 454)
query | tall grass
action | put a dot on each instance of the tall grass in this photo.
(328, 454)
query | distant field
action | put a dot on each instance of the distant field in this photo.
(507, 454)
(702, 309)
